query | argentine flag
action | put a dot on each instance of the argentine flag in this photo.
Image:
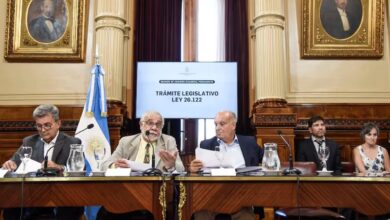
(96, 141)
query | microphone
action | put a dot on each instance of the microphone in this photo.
(47, 171)
(88, 127)
(290, 169)
(153, 171)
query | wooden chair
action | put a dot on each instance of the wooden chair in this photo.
(307, 168)
(348, 167)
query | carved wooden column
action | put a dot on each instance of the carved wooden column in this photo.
(270, 111)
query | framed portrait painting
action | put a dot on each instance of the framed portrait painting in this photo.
(46, 30)
(342, 28)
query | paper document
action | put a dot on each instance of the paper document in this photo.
(3, 172)
(118, 172)
(31, 166)
(209, 158)
(223, 172)
(136, 166)
(248, 169)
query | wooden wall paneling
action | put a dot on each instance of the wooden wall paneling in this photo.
(268, 118)
(16, 123)
(343, 122)
(9, 142)
(186, 159)
(116, 114)
(270, 135)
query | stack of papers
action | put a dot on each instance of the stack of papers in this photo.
(136, 166)
(118, 172)
(31, 166)
(209, 158)
(229, 165)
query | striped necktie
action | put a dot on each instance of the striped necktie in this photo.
(319, 142)
(147, 154)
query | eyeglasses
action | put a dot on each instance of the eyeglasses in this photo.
(151, 124)
(46, 126)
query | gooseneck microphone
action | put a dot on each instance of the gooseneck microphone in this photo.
(153, 171)
(290, 169)
(45, 171)
(88, 127)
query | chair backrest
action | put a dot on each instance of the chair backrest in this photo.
(348, 167)
(307, 168)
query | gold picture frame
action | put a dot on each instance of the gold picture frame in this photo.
(325, 35)
(46, 30)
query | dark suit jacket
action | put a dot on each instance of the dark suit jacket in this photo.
(60, 151)
(331, 20)
(307, 152)
(251, 151)
(41, 32)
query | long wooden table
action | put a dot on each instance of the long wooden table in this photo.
(368, 195)
(116, 194)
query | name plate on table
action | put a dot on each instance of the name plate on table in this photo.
(223, 172)
(3, 172)
(118, 172)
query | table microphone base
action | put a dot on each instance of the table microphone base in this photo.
(291, 171)
(48, 172)
(152, 172)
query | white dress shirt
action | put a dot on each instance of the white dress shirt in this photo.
(47, 146)
(344, 19)
(316, 144)
(233, 149)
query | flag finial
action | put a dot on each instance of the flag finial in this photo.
(97, 54)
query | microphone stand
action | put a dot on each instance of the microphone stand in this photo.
(88, 127)
(45, 171)
(153, 171)
(290, 170)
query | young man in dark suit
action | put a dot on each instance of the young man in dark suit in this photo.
(308, 149)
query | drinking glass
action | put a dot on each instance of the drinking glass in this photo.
(323, 154)
(99, 153)
(220, 154)
(25, 153)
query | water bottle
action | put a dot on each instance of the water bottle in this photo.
(75, 162)
(271, 160)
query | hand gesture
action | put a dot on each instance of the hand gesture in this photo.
(195, 166)
(122, 163)
(168, 158)
(10, 165)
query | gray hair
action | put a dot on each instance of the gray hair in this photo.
(367, 127)
(232, 115)
(46, 109)
(146, 115)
